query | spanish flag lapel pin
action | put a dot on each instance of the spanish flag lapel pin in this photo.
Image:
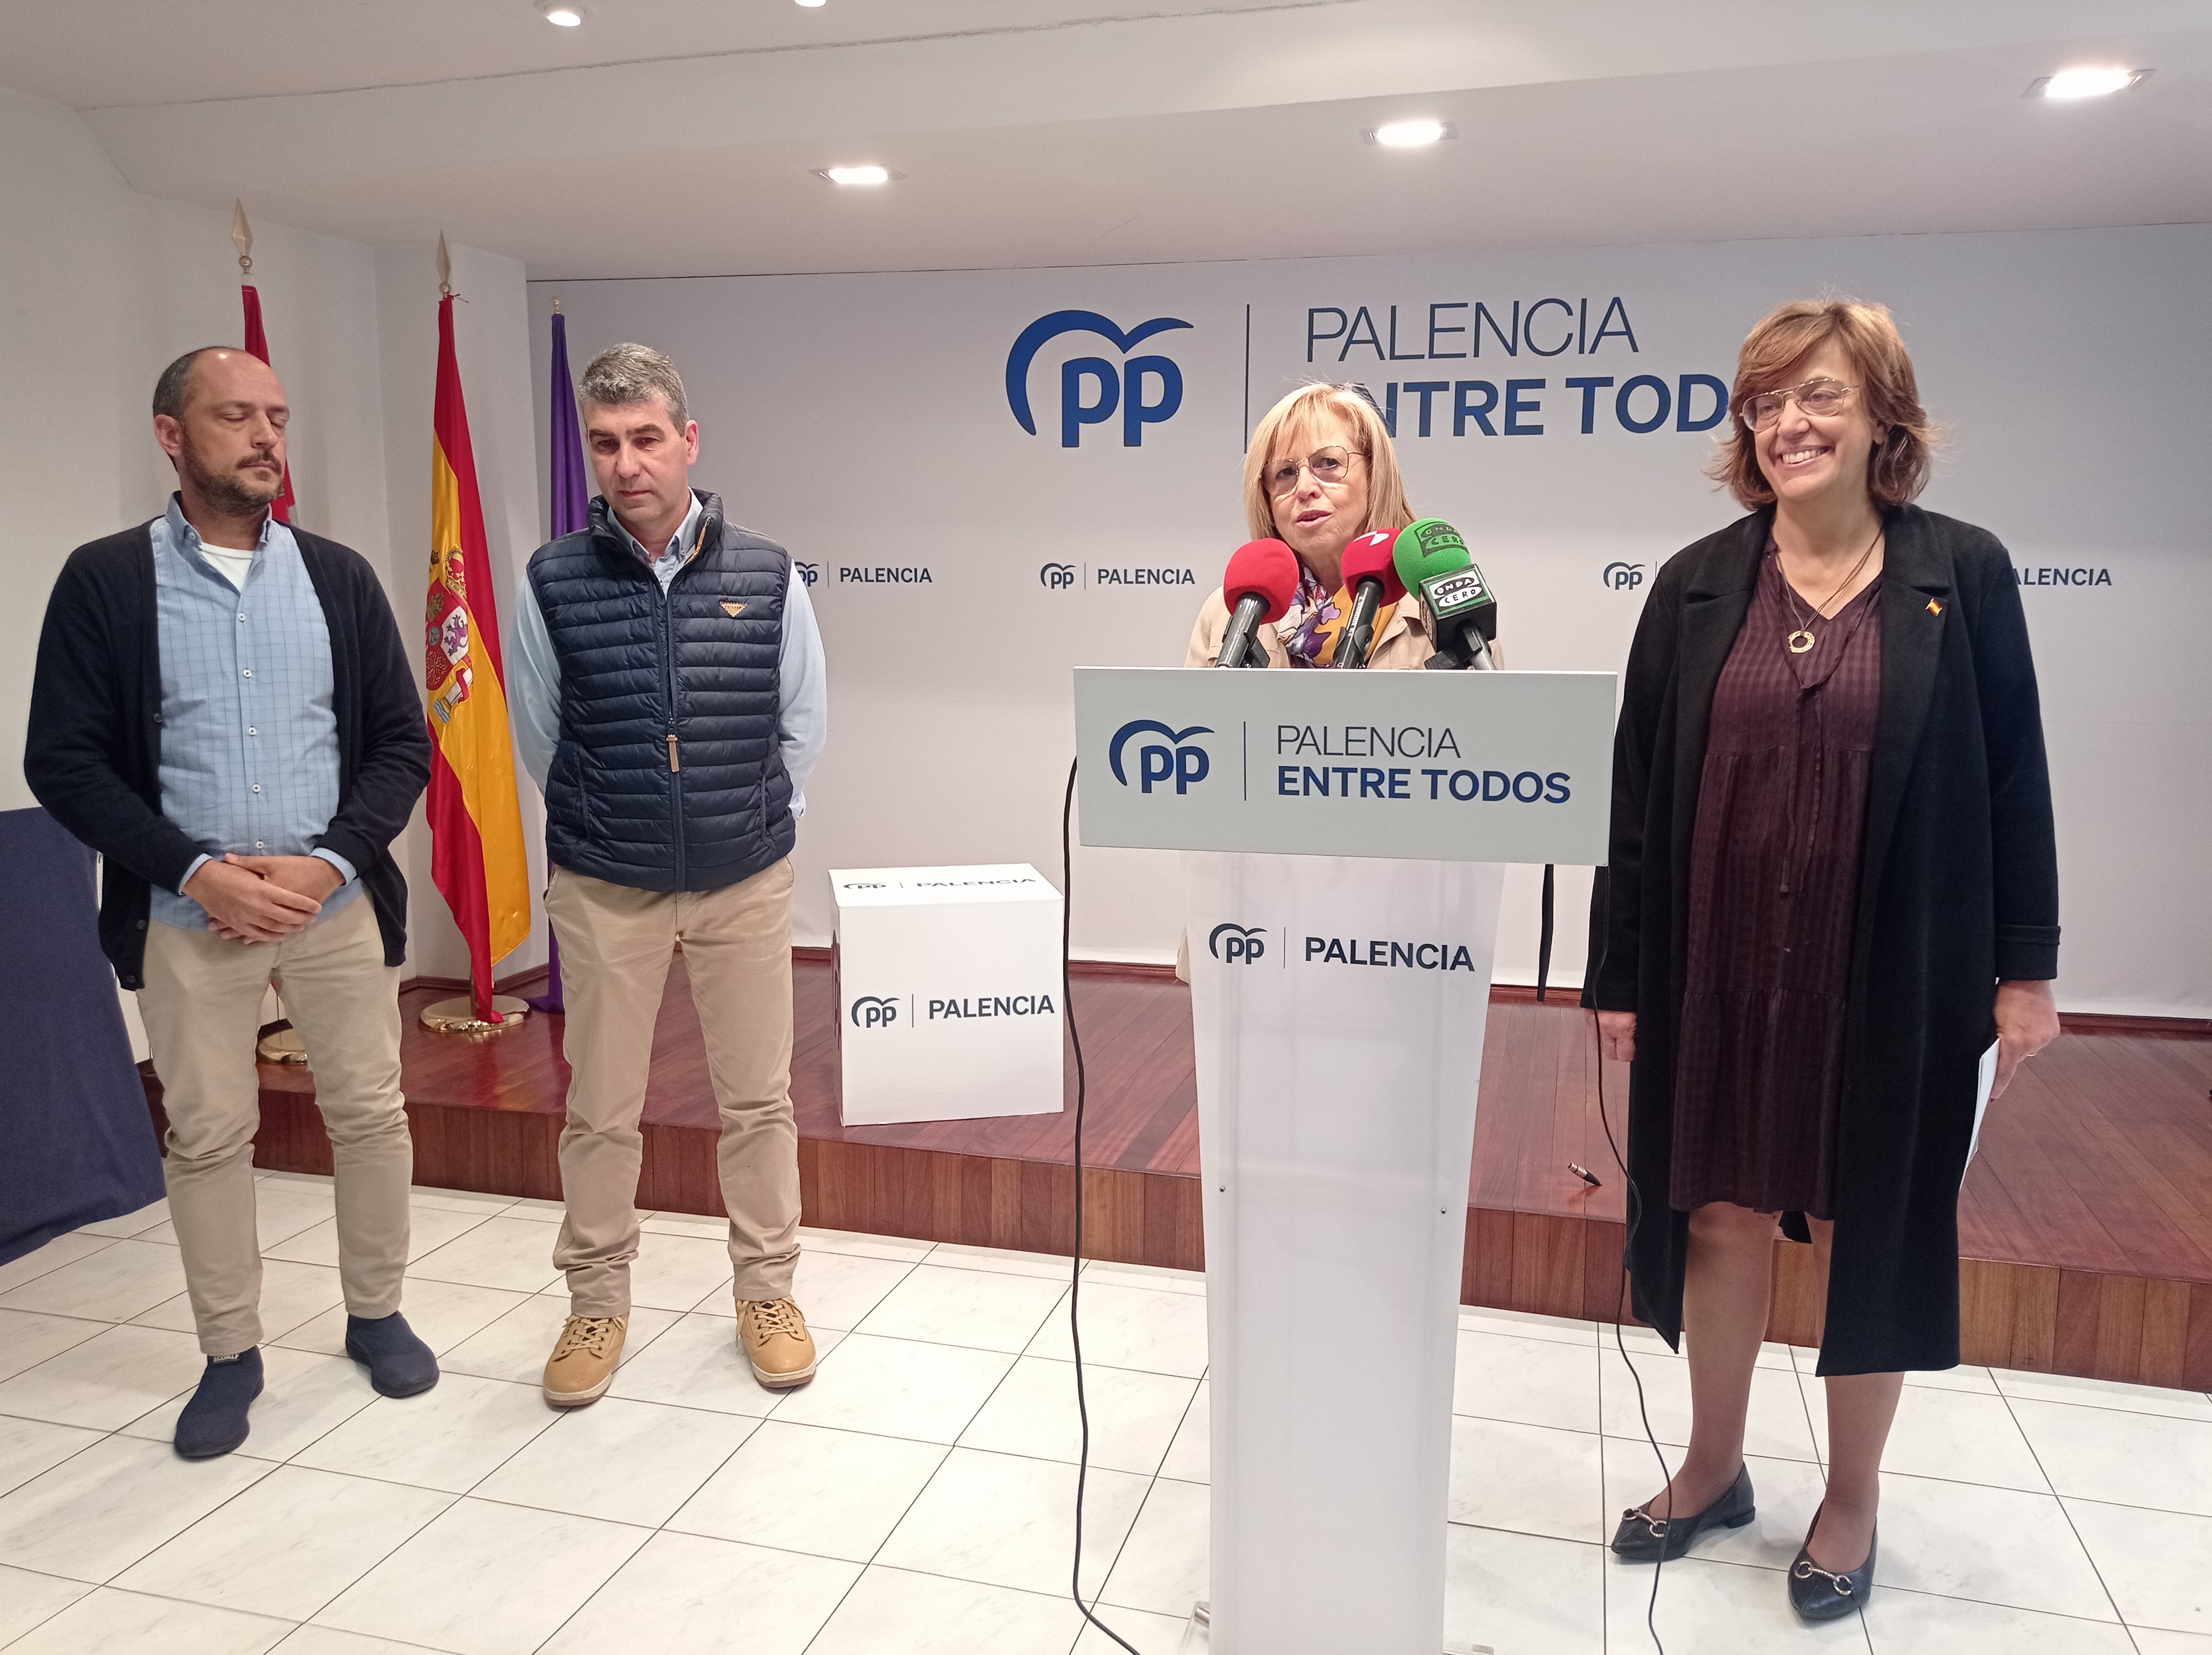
(1935, 608)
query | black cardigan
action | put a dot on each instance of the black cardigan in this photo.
(92, 754)
(1958, 889)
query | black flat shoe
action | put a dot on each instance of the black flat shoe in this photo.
(1644, 1538)
(1816, 1594)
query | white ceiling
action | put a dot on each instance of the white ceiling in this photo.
(676, 136)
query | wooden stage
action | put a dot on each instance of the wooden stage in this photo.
(2085, 1226)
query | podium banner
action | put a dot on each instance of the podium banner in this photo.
(1338, 1007)
(1487, 767)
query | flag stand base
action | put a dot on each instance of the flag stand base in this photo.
(459, 1015)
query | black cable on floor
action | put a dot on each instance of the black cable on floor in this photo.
(1620, 1315)
(1075, 1272)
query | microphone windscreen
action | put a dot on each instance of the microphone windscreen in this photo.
(1373, 555)
(1429, 547)
(1267, 568)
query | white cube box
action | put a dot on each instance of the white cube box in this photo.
(949, 992)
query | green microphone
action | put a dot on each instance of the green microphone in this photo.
(1457, 606)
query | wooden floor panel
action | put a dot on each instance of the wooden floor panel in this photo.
(2085, 1223)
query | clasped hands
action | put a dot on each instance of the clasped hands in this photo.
(262, 898)
(2027, 1020)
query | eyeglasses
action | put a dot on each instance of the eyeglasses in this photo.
(1329, 467)
(1819, 397)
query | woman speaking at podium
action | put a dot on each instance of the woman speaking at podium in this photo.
(1832, 884)
(1319, 473)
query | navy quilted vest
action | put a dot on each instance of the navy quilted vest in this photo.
(669, 776)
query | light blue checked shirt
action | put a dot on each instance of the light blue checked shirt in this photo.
(249, 734)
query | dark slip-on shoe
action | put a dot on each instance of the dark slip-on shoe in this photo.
(1644, 1538)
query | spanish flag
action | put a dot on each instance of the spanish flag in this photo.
(477, 857)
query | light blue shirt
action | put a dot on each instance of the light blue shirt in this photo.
(533, 696)
(249, 733)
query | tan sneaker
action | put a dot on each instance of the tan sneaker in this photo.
(582, 1365)
(773, 1336)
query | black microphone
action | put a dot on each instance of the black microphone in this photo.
(1261, 579)
(1372, 575)
(1457, 605)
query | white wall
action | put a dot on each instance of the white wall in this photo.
(863, 421)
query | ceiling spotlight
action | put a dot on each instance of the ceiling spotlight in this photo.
(2071, 83)
(562, 13)
(1410, 134)
(868, 174)
(813, 2)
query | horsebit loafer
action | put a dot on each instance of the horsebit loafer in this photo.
(1817, 1595)
(1644, 1538)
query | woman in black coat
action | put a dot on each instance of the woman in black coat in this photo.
(1833, 885)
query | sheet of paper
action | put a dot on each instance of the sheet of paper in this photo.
(1984, 1080)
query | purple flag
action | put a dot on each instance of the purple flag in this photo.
(571, 501)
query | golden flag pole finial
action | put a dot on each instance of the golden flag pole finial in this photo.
(241, 237)
(444, 266)
(556, 304)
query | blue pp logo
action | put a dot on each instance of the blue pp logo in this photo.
(1180, 763)
(874, 1012)
(1236, 945)
(1124, 386)
(1623, 577)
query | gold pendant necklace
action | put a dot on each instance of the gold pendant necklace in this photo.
(1802, 639)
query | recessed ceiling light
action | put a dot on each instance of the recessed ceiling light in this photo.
(1410, 134)
(562, 13)
(813, 2)
(867, 175)
(2071, 83)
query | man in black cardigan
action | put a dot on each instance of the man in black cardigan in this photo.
(223, 708)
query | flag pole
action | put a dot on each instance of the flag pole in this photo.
(476, 854)
(568, 502)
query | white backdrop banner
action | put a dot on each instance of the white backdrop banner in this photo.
(990, 477)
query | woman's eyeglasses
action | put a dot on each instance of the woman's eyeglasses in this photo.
(1329, 467)
(1819, 397)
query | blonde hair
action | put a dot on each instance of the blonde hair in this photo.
(1898, 468)
(1303, 409)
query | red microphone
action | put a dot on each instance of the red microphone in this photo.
(1261, 579)
(1370, 571)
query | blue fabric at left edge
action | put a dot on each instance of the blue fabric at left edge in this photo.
(76, 1142)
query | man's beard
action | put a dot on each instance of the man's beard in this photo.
(240, 491)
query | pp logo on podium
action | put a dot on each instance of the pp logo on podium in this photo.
(1183, 764)
(874, 1012)
(1236, 945)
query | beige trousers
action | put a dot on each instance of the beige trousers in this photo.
(202, 1007)
(616, 944)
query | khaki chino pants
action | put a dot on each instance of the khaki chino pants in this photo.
(616, 944)
(202, 1007)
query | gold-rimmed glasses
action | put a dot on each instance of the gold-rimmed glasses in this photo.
(1329, 467)
(1820, 397)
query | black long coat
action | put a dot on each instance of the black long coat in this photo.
(1959, 888)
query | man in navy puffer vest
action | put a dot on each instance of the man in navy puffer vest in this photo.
(668, 682)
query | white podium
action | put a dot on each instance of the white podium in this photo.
(1347, 832)
(948, 993)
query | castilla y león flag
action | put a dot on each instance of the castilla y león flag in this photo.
(477, 856)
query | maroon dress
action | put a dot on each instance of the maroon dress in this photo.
(1774, 891)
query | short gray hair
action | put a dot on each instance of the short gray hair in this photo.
(626, 374)
(174, 387)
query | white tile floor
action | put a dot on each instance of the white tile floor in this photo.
(915, 1498)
